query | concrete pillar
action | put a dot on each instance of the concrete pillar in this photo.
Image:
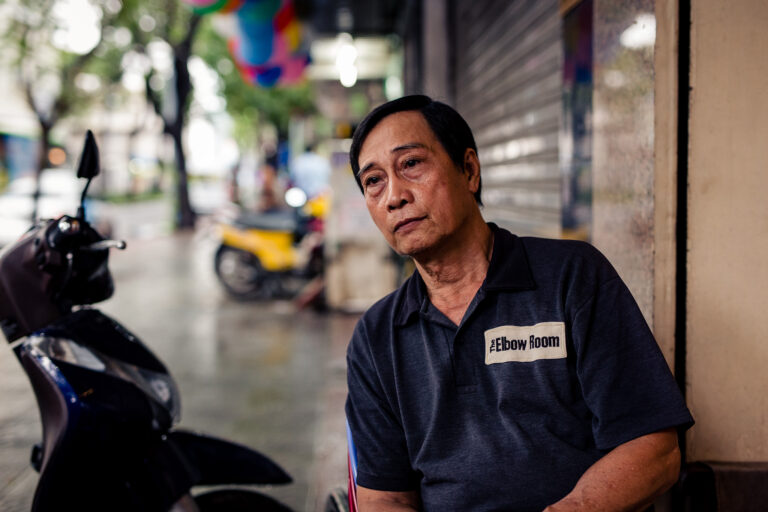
(665, 176)
(436, 50)
(727, 291)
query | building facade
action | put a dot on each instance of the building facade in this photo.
(639, 126)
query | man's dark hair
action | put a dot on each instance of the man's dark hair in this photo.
(449, 127)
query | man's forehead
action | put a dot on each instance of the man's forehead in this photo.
(400, 130)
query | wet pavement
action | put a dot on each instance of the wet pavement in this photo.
(263, 374)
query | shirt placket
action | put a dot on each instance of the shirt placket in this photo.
(457, 344)
(465, 351)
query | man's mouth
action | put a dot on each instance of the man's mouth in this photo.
(407, 222)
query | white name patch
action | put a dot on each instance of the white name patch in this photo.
(525, 343)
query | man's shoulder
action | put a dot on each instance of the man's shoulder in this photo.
(387, 308)
(559, 246)
(572, 269)
(377, 323)
(548, 253)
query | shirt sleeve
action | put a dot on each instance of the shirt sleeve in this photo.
(378, 437)
(624, 377)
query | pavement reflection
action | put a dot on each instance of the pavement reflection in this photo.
(262, 374)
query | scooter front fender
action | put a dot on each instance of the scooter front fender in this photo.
(223, 462)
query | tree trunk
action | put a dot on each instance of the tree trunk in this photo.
(185, 215)
(42, 163)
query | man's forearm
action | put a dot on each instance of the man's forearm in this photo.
(628, 478)
(369, 500)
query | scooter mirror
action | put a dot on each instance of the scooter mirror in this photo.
(295, 197)
(89, 158)
(88, 168)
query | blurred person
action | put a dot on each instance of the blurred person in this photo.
(268, 197)
(311, 172)
(507, 373)
(233, 185)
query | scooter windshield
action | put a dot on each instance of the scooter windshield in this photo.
(159, 386)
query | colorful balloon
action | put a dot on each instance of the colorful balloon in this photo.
(268, 76)
(259, 11)
(279, 49)
(292, 34)
(256, 42)
(284, 16)
(267, 43)
(293, 70)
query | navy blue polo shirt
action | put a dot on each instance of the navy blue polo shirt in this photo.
(552, 366)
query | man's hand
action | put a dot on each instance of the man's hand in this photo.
(628, 478)
(369, 500)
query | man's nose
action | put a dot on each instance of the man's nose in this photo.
(398, 193)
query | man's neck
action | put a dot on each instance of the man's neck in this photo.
(453, 276)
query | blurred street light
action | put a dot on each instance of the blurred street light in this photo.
(373, 57)
(78, 30)
(346, 54)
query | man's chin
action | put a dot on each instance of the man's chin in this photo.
(415, 251)
(416, 246)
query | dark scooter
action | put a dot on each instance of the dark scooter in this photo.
(107, 404)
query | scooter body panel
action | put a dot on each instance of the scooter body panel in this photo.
(274, 249)
(107, 405)
(223, 462)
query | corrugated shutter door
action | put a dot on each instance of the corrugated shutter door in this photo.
(508, 86)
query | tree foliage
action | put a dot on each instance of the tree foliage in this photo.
(59, 82)
(50, 76)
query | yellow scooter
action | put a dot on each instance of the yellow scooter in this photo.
(273, 255)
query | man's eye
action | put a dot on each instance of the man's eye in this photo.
(371, 180)
(411, 162)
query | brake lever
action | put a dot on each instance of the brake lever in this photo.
(105, 244)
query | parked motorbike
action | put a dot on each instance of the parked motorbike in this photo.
(107, 404)
(274, 254)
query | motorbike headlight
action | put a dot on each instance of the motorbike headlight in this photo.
(162, 387)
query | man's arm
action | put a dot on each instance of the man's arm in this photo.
(369, 500)
(628, 478)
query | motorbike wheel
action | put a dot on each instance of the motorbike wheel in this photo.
(338, 501)
(238, 500)
(242, 275)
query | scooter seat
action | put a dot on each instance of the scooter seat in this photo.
(275, 221)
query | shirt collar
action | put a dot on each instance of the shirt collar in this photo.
(508, 270)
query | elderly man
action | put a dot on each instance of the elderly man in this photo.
(508, 373)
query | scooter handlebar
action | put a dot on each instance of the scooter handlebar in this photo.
(105, 244)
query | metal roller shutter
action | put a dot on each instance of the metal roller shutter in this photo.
(508, 86)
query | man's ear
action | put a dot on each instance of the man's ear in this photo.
(472, 169)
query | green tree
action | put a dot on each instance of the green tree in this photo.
(52, 75)
(49, 63)
(174, 24)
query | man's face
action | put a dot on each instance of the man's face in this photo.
(415, 193)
